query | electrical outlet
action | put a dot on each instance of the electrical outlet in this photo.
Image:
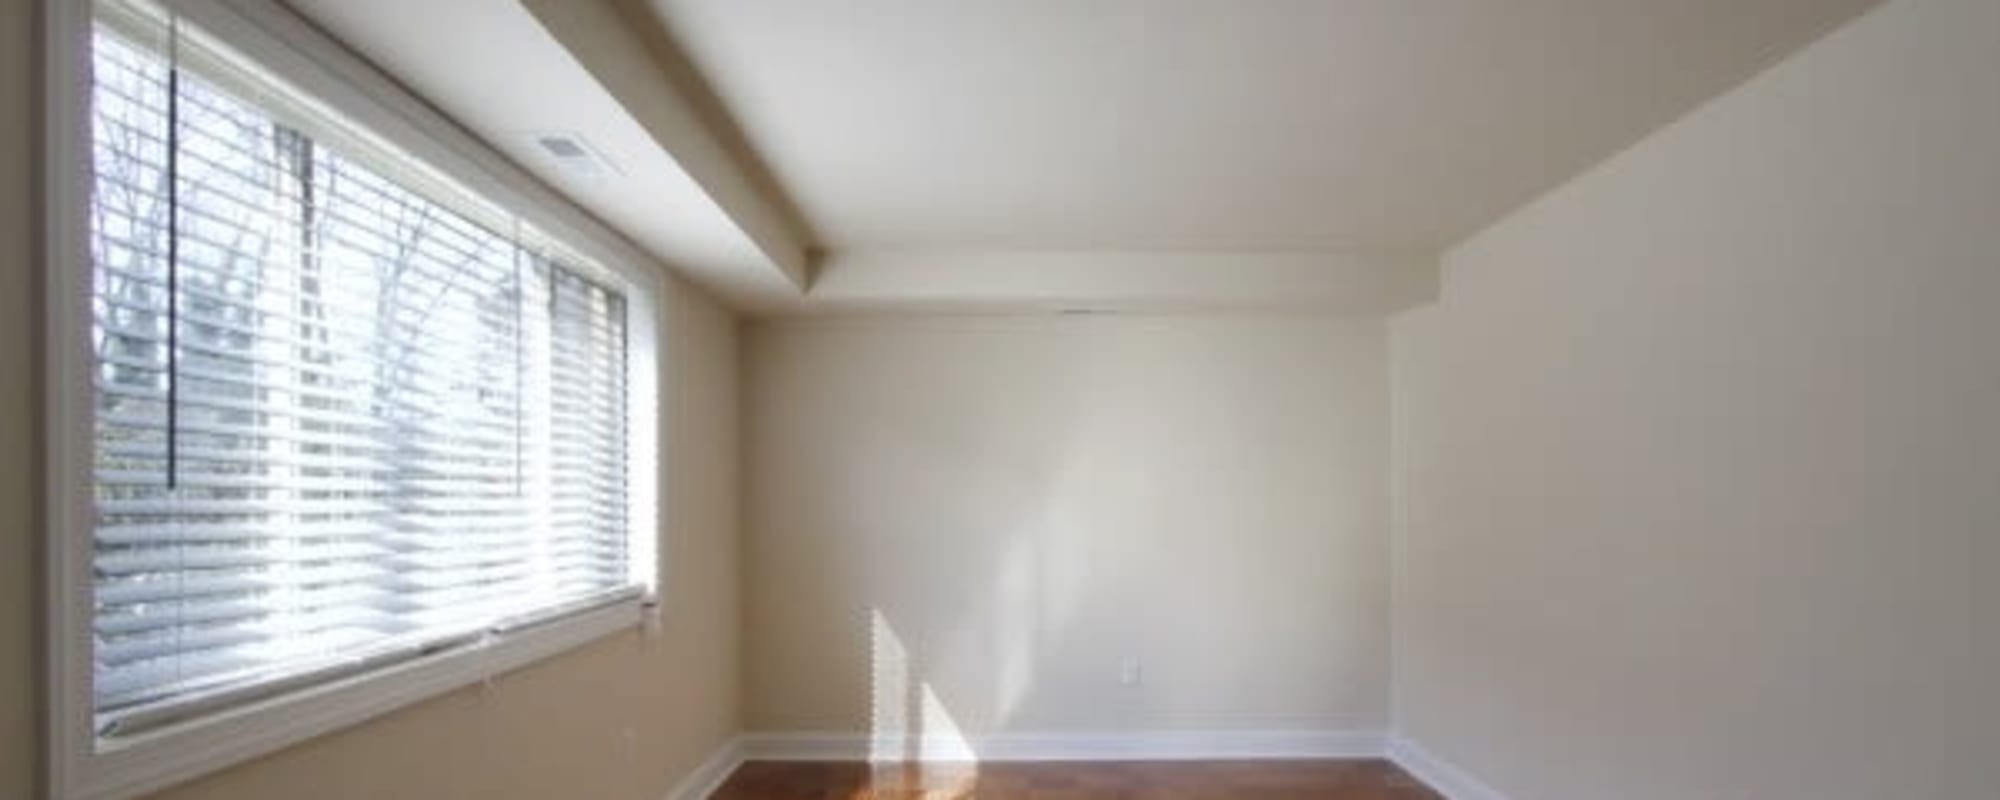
(1130, 673)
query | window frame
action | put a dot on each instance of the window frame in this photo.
(82, 766)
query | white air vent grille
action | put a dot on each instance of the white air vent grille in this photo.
(569, 153)
(561, 147)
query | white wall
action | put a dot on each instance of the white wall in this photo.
(1029, 500)
(1699, 457)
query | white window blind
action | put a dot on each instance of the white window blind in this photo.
(345, 414)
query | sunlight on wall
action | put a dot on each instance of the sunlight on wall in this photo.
(1019, 627)
(939, 738)
(888, 692)
(1042, 578)
(908, 724)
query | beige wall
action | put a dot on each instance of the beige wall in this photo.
(19, 399)
(1029, 500)
(1700, 455)
(623, 718)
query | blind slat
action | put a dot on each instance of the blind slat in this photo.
(356, 422)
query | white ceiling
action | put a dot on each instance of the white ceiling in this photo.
(1206, 124)
(1030, 154)
(492, 68)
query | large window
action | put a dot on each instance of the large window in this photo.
(345, 414)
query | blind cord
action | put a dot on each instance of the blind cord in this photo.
(173, 252)
(317, 505)
(521, 369)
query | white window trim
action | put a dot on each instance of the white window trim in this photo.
(79, 767)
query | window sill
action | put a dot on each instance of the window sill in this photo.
(162, 758)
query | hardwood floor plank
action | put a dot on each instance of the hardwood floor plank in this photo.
(1368, 779)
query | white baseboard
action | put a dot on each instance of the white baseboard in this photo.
(1122, 746)
(710, 773)
(1445, 777)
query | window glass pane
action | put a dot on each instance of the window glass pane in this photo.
(334, 416)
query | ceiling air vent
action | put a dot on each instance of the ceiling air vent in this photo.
(561, 147)
(570, 154)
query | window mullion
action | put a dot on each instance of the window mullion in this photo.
(324, 383)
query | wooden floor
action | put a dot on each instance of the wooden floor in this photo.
(1153, 780)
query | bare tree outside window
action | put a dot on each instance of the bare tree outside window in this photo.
(347, 414)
